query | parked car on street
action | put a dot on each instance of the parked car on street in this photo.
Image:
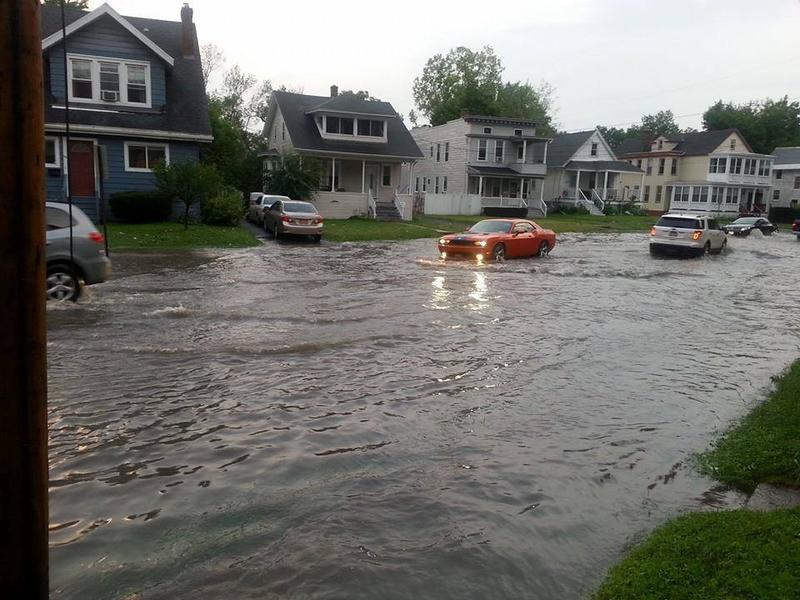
(499, 239)
(88, 263)
(796, 228)
(262, 202)
(745, 225)
(293, 217)
(688, 234)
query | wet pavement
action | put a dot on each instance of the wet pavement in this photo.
(364, 421)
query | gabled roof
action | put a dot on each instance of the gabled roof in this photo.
(90, 17)
(631, 146)
(564, 146)
(616, 166)
(704, 142)
(305, 136)
(786, 156)
(350, 103)
(186, 110)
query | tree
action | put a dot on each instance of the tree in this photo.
(524, 101)
(614, 135)
(189, 182)
(764, 124)
(661, 123)
(360, 94)
(211, 59)
(81, 4)
(293, 177)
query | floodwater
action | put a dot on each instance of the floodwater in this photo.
(364, 421)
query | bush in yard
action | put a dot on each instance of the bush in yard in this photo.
(293, 177)
(783, 214)
(189, 182)
(223, 208)
(567, 209)
(140, 207)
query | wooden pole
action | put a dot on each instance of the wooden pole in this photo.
(23, 401)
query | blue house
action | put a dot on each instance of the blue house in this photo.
(136, 97)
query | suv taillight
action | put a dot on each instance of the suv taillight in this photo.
(96, 236)
(696, 235)
(652, 231)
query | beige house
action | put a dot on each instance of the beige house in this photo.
(705, 171)
(361, 146)
(476, 164)
(786, 178)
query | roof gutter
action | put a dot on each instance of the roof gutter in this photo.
(359, 154)
(131, 132)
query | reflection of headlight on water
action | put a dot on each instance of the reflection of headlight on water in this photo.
(444, 254)
(479, 257)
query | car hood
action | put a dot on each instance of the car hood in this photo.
(469, 236)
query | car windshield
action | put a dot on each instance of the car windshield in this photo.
(491, 227)
(745, 221)
(299, 207)
(679, 223)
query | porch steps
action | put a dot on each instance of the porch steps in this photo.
(387, 211)
(535, 211)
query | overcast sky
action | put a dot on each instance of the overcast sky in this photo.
(610, 61)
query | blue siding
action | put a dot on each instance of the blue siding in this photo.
(105, 37)
(118, 180)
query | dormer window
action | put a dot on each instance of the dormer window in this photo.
(339, 125)
(518, 132)
(487, 130)
(109, 81)
(330, 125)
(733, 144)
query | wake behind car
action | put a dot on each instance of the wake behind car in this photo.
(293, 217)
(687, 234)
(499, 239)
(745, 225)
(88, 263)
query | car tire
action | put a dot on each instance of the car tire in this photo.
(723, 247)
(317, 239)
(499, 252)
(707, 248)
(275, 232)
(63, 283)
(544, 250)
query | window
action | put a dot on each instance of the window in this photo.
(712, 165)
(722, 164)
(649, 167)
(776, 194)
(499, 148)
(660, 144)
(57, 218)
(797, 183)
(387, 176)
(518, 132)
(51, 157)
(144, 157)
(685, 193)
(109, 80)
(733, 144)
(416, 184)
(658, 194)
(593, 151)
(661, 165)
(639, 163)
(487, 130)
(431, 150)
(749, 167)
(778, 174)
(674, 168)
(716, 195)
(283, 131)
(732, 196)
(520, 152)
(438, 152)
(647, 193)
(424, 184)
(444, 184)
(736, 166)
(482, 150)
(436, 185)
(446, 151)
(341, 125)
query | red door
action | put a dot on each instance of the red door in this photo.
(81, 169)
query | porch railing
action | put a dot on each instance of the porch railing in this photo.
(400, 205)
(598, 200)
(502, 202)
(372, 208)
(582, 200)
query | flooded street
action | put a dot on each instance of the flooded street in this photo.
(365, 421)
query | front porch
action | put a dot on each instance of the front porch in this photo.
(593, 184)
(501, 187)
(730, 201)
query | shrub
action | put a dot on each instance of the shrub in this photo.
(223, 208)
(188, 182)
(783, 214)
(140, 207)
(571, 209)
(628, 208)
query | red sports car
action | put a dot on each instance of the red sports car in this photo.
(499, 239)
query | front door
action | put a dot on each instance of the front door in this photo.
(372, 172)
(81, 169)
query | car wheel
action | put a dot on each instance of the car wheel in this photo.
(544, 249)
(317, 239)
(62, 283)
(275, 232)
(707, 248)
(499, 252)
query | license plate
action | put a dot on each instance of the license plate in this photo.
(673, 234)
(303, 221)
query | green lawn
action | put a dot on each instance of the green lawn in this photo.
(729, 554)
(713, 556)
(428, 226)
(765, 445)
(173, 235)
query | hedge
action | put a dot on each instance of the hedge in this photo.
(141, 207)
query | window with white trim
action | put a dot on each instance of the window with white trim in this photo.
(482, 144)
(438, 152)
(778, 174)
(109, 80)
(674, 169)
(144, 157)
(593, 151)
(797, 183)
(658, 194)
(444, 184)
(520, 152)
(776, 194)
(416, 184)
(446, 151)
(487, 130)
(52, 158)
(436, 185)
(518, 132)
(662, 163)
(499, 149)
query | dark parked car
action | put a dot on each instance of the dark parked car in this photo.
(88, 263)
(796, 228)
(745, 225)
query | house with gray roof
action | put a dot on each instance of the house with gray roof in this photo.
(703, 171)
(583, 170)
(786, 177)
(360, 146)
(135, 91)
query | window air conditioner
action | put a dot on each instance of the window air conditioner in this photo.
(109, 96)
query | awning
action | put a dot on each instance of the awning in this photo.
(500, 172)
(616, 166)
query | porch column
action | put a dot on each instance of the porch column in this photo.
(410, 176)
(577, 185)
(363, 175)
(480, 186)
(544, 158)
(605, 187)
(333, 174)
(524, 150)
(541, 191)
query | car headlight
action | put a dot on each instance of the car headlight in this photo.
(481, 243)
(444, 241)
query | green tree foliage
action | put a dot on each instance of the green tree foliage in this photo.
(360, 94)
(293, 177)
(648, 128)
(187, 181)
(81, 4)
(765, 124)
(223, 208)
(524, 101)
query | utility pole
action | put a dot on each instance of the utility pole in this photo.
(23, 399)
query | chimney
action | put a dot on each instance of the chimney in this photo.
(187, 31)
(334, 91)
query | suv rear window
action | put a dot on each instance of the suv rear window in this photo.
(680, 223)
(57, 218)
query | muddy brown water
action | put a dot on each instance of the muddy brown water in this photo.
(364, 421)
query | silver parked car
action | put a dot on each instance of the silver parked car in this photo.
(259, 204)
(294, 217)
(88, 264)
(684, 233)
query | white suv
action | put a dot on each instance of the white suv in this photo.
(682, 233)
